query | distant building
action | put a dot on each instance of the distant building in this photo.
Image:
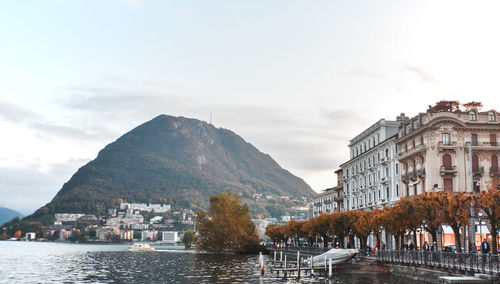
(331, 199)
(30, 236)
(127, 235)
(170, 237)
(67, 217)
(158, 208)
(260, 227)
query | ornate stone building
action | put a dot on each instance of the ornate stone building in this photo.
(450, 151)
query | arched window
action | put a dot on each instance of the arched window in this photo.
(491, 116)
(447, 162)
(472, 115)
(475, 163)
(494, 163)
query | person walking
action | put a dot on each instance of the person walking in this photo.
(485, 249)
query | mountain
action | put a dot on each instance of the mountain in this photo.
(174, 160)
(7, 214)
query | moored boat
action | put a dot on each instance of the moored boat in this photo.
(141, 247)
(336, 255)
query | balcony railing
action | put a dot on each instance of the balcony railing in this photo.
(478, 171)
(448, 171)
(384, 160)
(486, 146)
(450, 145)
(469, 263)
(494, 172)
(421, 172)
(414, 150)
(383, 180)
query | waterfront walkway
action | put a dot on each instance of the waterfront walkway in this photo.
(465, 263)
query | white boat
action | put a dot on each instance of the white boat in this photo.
(141, 247)
(337, 255)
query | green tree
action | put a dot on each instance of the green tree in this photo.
(226, 227)
(188, 238)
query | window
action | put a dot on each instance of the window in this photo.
(473, 139)
(493, 139)
(386, 152)
(472, 115)
(397, 189)
(475, 163)
(448, 184)
(414, 144)
(446, 139)
(374, 142)
(491, 116)
(422, 140)
(447, 162)
(397, 168)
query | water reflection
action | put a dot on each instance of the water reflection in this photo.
(52, 262)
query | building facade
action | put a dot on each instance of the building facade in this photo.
(330, 199)
(371, 176)
(448, 151)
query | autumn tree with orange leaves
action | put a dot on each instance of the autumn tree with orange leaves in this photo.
(428, 208)
(489, 202)
(456, 210)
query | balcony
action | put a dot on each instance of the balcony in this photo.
(384, 160)
(404, 177)
(494, 172)
(421, 173)
(488, 146)
(412, 151)
(327, 201)
(478, 171)
(384, 179)
(448, 171)
(448, 146)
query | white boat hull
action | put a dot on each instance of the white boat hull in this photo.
(336, 255)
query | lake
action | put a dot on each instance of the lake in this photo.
(48, 262)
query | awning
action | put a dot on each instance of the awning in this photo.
(483, 229)
(447, 229)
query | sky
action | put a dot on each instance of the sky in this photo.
(297, 79)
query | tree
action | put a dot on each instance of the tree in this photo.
(456, 209)
(473, 106)
(188, 238)
(226, 227)
(17, 234)
(363, 227)
(489, 202)
(430, 211)
(445, 106)
(319, 226)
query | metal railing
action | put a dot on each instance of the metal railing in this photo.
(450, 261)
(303, 249)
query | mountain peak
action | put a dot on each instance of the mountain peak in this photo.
(175, 160)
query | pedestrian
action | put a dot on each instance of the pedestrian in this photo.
(485, 249)
(426, 246)
(434, 246)
(411, 247)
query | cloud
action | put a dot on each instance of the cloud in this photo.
(27, 188)
(70, 132)
(422, 74)
(17, 114)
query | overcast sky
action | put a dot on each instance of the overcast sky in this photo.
(297, 79)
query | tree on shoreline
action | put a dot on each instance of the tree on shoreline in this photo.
(226, 227)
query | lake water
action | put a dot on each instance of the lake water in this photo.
(47, 262)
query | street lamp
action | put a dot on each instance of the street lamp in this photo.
(480, 215)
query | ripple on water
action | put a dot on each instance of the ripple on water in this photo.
(25, 262)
